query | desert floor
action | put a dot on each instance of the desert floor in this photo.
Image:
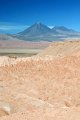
(42, 87)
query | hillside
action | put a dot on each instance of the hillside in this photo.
(42, 87)
(39, 31)
(15, 44)
(5, 37)
(8, 41)
(62, 48)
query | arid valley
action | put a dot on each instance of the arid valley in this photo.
(42, 87)
(39, 59)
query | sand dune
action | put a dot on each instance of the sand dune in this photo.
(62, 48)
(41, 87)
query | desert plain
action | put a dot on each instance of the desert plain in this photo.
(42, 87)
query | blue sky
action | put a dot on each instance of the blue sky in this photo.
(16, 15)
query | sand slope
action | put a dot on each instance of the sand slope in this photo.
(62, 48)
(40, 88)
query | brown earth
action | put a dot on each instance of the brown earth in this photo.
(41, 87)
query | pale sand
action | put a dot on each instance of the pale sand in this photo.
(40, 88)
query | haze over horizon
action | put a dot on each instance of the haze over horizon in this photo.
(17, 15)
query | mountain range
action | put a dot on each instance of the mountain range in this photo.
(41, 32)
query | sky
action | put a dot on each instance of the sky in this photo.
(17, 15)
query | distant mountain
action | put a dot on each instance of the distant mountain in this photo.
(7, 37)
(61, 28)
(36, 29)
(64, 30)
(39, 31)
